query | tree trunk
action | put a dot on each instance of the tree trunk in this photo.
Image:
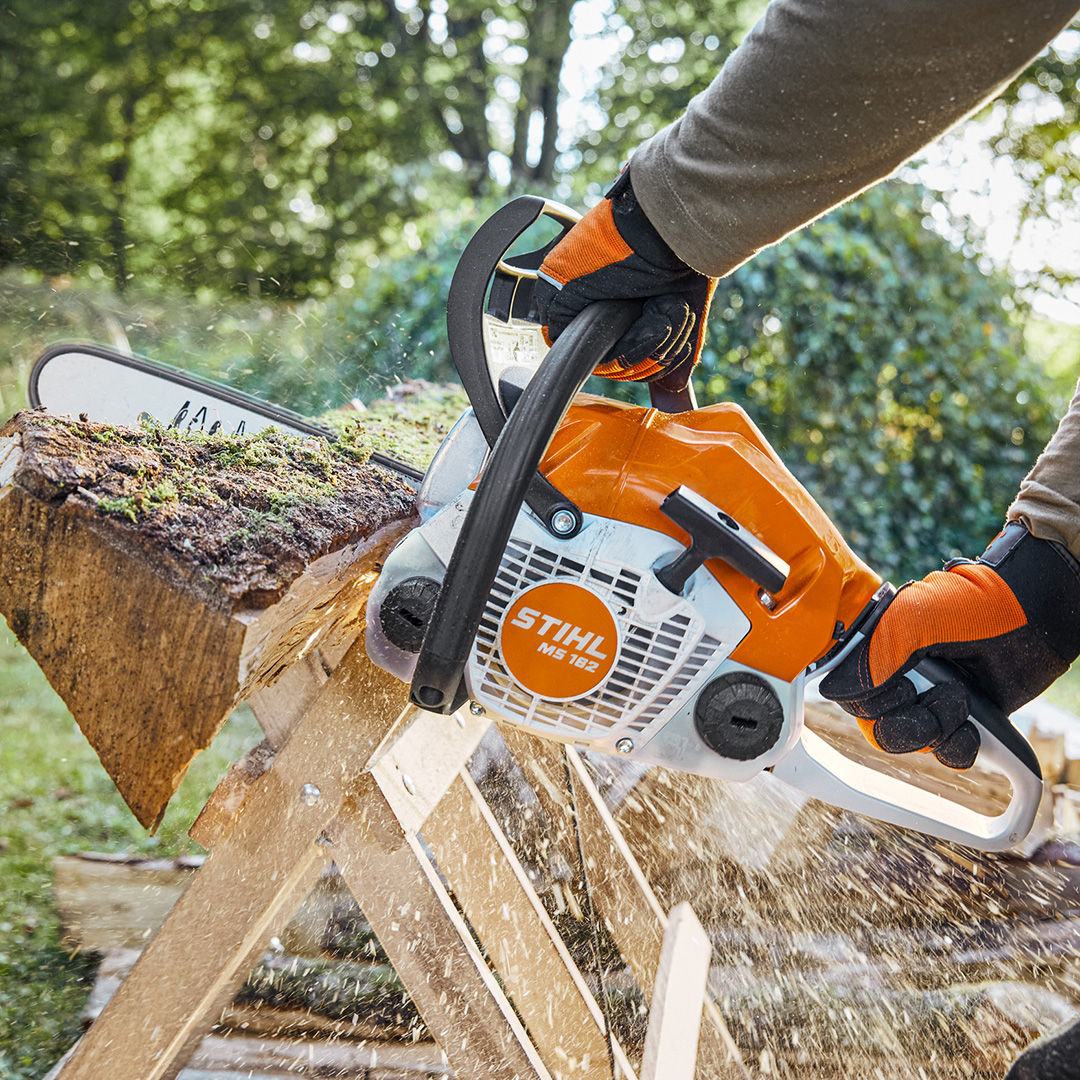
(118, 174)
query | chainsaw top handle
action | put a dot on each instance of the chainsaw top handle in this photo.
(485, 261)
(438, 681)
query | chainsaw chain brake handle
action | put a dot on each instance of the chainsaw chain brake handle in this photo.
(817, 768)
(485, 262)
(438, 683)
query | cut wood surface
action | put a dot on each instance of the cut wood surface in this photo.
(158, 579)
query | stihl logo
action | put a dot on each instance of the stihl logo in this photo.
(558, 640)
(563, 636)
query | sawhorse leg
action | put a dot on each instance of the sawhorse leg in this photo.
(313, 804)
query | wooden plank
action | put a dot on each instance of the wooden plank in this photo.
(620, 891)
(108, 903)
(671, 1043)
(265, 866)
(427, 753)
(533, 963)
(381, 859)
(227, 799)
(237, 1054)
(192, 968)
(429, 943)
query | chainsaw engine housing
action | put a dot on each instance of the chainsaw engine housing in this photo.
(586, 640)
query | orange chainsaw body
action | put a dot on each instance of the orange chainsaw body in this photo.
(620, 461)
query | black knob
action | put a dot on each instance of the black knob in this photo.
(739, 715)
(406, 612)
(716, 535)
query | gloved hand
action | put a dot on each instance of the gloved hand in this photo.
(614, 252)
(1010, 621)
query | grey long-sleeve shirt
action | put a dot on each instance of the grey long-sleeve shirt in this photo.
(822, 99)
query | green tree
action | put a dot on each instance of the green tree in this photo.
(890, 373)
(210, 142)
(283, 146)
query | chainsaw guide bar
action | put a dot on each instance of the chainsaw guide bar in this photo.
(116, 388)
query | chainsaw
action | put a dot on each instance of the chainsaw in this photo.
(650, 583)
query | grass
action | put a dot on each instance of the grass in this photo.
(55, 799)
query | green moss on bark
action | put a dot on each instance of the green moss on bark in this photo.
(249, 512)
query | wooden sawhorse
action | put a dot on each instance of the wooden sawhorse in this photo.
(359, 777)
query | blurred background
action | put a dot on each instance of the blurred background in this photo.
(275, 193)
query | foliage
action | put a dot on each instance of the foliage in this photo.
(282, 148)
(661, 55)
(885, 367)
(1029, 132)
(219, 141)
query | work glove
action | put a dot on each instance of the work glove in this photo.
(1009, 621)
(614, 252)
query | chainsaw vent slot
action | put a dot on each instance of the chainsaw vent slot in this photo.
(701, 656)
(659, 665)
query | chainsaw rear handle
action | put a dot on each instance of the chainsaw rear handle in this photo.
(438, 683)
(819, 769)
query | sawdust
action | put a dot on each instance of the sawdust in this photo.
(841, 947)
(844, 947)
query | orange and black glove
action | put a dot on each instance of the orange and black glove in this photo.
(1009, 622)
(615, 253)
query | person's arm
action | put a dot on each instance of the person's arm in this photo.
(822, 99)
(1049, 500)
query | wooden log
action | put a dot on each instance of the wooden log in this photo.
(287, 996)
(809, 1030)
(114, 902)
(158, 580)
(238, 1054)
(107, 903)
